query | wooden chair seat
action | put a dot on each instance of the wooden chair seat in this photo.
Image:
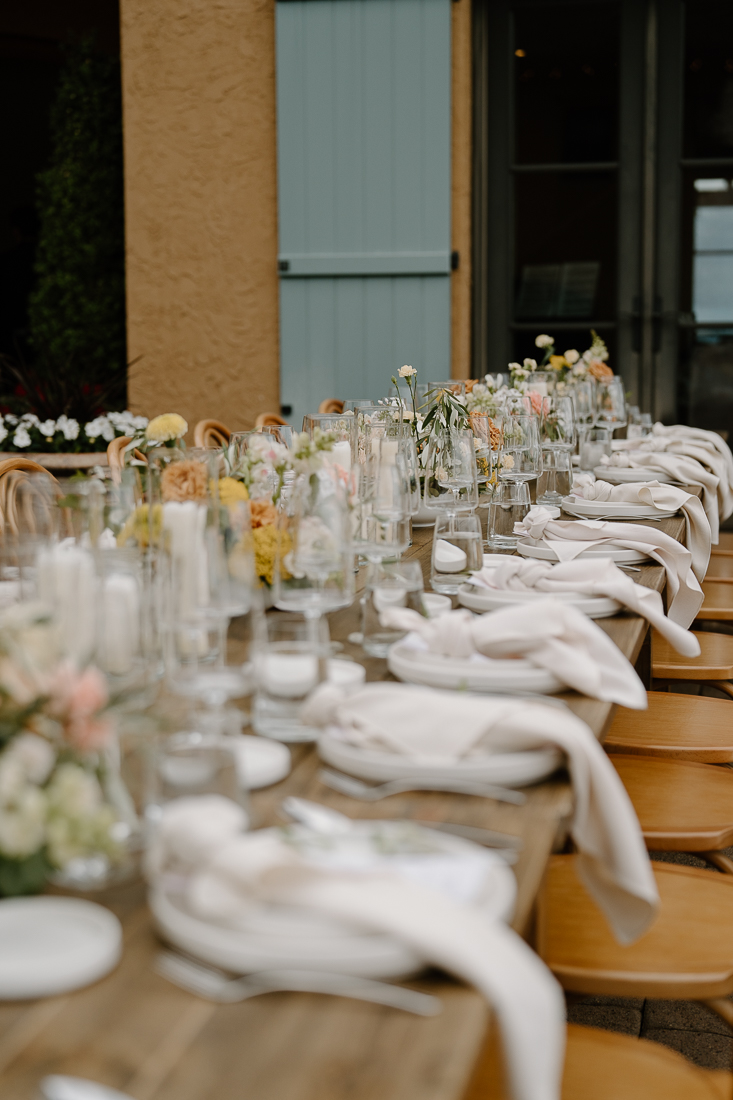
(211, 433)
(718, 602)
(725, 543)
(675, 727)
(714, 663)
(681, 806)
(687, 954)
(602, 1065)
(720, 568)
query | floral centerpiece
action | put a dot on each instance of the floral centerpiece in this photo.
(58, 802)
(28, 433)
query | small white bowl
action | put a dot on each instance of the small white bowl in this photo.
(435, 605)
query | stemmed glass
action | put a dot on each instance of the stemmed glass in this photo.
(520, 457)
(451, 475)
(610, 403)
(313, 571)
(384, 500)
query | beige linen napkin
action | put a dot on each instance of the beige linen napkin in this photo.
(569, 538)
(265, 867)
(696, 449)
(666, 498)
(708, 439)
(687, 471)
(550, 634)
(589, 577)
(441, 726)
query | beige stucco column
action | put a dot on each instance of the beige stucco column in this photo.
(198, 84)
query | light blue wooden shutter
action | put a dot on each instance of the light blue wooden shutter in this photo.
(363, 100)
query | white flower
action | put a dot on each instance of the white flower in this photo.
(543, 342)
(406, 372)
(515, 366)
(580, 367)
(530, 364)
(21, 437)
(30, 418)
(69, 427)
(3, 430)
(22, 823)
(12, 778)
(507, 462)
(572, 356)
(11, 420)
(34, 755)
(101, 426)
(47, 428)
(74, 791)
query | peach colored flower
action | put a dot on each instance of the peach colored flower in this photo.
(76, 699)
(263, 514)
(536, 401)
(184, 480)
(89, 734)
(599, 370)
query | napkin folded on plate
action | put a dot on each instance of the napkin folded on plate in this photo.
(588, 577)
(549, 634)
(440, 726)
(666, 498)
(569, 538)
(239, 869)
(687, 471)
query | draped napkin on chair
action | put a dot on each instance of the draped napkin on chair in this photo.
(588, 577)
(440, 726)
(569, 538)
(235, 869)
(681, 468)
(548, 633)
(711, 440)
(666, 498)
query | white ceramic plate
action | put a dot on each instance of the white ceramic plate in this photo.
(485, 599)
(53, 945)
(528, 548)
(278, 937)
(260, 762)
(599, 509)
(502, 677)
(508, 769)
(623, 475)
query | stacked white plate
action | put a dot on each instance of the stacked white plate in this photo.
(618, 509)
(270, 937)
(507, 769)
(487, 674)
(623, 475)
(534, 548)
(488, 599)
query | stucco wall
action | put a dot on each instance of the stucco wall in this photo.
(201, 207)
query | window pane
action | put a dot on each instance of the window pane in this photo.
(566, 83)
(707, 245)
(709, 79)
(565, 246)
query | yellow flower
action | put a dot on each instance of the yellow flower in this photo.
(266, 541)
(166, 427)
(137, 527)
(231, 491)
(557, 362)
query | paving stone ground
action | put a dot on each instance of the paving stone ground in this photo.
(685, 1026)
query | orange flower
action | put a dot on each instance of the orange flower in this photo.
(263, 513)
(600, 371)
(184, 480)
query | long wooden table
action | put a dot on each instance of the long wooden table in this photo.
(135, 1032)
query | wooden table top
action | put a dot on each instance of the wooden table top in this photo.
(135, 1032)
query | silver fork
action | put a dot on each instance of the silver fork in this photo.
(206, 981)
(346, 784)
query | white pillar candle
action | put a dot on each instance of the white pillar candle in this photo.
(68, 585)
(185, 523)
(339, 455)
(289, 675)
(120, 642)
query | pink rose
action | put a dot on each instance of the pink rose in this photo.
(89, 734)
(76, 699)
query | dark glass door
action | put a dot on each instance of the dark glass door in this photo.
(603, 191)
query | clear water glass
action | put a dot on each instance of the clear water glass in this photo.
(557, 423)
(641, 427)
(451, 474)
(610, 403)
(509, 505)
(583, 397)
(190, 764)
(595, 443)
(520, 457)
(457, 552)
(290, 660)
(343, 453)
(393, 584)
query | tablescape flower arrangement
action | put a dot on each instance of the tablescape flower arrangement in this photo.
(569, 367)
(27, 433)
(61, 801)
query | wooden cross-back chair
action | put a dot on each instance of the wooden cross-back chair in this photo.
(116, 455)
(211, 433)
(18, 508)
(331, 405)
(264, 420)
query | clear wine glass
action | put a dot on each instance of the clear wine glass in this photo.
(610, 403)
(451, 475)
(520, 457)
(557, 423)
